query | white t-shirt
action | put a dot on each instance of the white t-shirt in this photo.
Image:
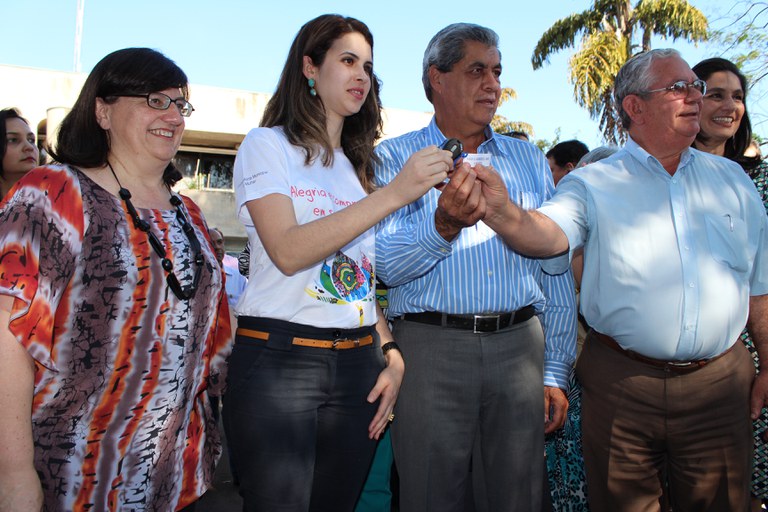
(336, 292)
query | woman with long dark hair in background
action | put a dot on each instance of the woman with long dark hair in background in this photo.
(727, 131)
(18, 151)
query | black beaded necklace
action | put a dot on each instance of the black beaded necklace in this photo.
(183, 293)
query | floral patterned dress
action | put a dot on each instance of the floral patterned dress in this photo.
(565, 459)
(120, 418)
(759, 175)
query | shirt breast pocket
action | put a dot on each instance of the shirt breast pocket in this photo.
(727, 237)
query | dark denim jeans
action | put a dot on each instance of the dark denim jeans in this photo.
(297, 421)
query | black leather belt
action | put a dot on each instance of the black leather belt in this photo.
(475, 323)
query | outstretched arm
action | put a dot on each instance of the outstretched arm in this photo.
(526, 231)
(292, 246)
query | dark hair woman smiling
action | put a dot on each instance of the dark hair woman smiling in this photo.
(113, 320)
(727, 131)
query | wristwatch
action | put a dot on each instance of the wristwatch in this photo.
(390, 345)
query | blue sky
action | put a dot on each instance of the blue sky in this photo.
(242, 44)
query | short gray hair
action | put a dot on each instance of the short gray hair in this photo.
(596, 155)
(447, 48)
(635, 77)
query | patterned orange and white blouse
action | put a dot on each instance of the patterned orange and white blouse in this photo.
(121, 418)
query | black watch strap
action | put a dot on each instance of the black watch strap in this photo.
(390, 345)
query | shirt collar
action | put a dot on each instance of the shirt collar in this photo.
(491, 137)
(639, 153)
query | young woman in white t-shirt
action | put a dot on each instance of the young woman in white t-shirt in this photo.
(309, 390)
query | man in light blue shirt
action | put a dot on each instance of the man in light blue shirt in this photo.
(675, 264)
(468, 310)
(236, 283)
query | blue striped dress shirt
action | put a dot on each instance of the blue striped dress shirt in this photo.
(476, 272)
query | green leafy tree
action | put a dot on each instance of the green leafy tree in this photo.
(545, 145)
(501, 124)
(605, 36)
(744, 39)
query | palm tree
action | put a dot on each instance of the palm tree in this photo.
(608, 30)
(501, 124)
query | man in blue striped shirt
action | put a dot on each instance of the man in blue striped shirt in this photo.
(481, 327)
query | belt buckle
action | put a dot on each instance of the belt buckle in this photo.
(334, 346)
(485, 317)
(682, 364)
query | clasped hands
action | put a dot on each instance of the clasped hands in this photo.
(472, 194)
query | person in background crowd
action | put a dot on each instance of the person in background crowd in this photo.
(564, 157)
(114, 324)
(597, 154)
(726, 131)
(515, 134)
(19, 153)
(674, 265)
(235, 282)
(309, 393)
(468, 311)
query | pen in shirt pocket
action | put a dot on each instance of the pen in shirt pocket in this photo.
(730, 221)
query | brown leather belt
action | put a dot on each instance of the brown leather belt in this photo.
(671, 366)
(337, 344)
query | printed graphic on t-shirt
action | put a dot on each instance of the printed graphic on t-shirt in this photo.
(344, 281)
(324, 202)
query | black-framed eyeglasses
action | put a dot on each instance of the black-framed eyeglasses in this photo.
(160, 101)
(681, 88)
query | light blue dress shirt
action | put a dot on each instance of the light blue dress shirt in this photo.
(669, 260)
(477, 272)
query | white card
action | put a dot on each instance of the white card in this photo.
(478, 158)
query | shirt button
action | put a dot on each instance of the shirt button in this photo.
(691, 285)
(687, 248)
(490, 273)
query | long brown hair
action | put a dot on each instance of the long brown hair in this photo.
(302, 115)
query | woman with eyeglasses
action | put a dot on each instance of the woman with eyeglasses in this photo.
(113, 318)
(727, 131)
(18, 151)
(309, 390)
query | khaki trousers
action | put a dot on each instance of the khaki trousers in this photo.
(649, 432)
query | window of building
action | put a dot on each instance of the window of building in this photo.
(205, 170)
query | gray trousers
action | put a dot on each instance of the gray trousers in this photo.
(460, 387)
